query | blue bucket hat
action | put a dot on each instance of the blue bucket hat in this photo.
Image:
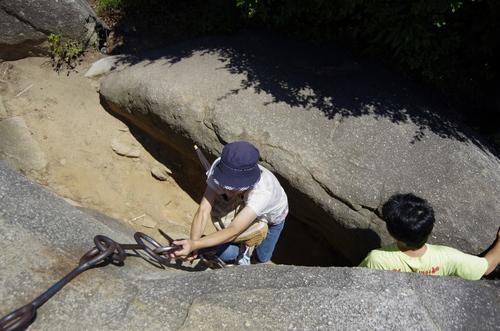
(238, 168)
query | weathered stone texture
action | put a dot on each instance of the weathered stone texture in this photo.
(43, 238)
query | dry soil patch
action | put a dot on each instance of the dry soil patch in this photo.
(64, 115)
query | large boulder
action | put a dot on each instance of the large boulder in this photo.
(342, 134)
(25, 25)
(43, 238)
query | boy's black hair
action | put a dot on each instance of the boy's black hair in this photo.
(409, 219)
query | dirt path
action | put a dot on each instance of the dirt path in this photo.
(63, 114)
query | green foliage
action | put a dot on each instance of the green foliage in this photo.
(192, 18)
(103, 6)
(443, 40)
(316, 20)
(65, 50)
(209, 18)
(447, 43)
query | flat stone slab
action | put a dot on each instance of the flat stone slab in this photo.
(43, 238)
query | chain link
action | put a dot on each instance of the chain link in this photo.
(108, 249)
(105, 249)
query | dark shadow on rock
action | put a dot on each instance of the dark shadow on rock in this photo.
(174, 264)
(301, 244)
(327, 78)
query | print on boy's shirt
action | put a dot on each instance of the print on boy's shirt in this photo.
(432, 271)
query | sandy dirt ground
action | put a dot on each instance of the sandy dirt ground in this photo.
(64, 115)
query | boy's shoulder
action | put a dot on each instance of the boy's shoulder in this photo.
(378, 257)
(387, 249)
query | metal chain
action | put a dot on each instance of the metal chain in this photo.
(105, 249)
(108, 249)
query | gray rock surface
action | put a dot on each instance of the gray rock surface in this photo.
(43, 238)
(3, 111)
(342, 134)
(25, 25)
(18, 148)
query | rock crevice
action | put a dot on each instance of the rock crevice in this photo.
(337, 184)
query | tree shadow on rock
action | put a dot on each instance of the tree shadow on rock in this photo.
(325, 78)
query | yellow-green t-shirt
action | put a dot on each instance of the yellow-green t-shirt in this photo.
(437, 260)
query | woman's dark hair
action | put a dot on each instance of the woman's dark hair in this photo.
(409, 219)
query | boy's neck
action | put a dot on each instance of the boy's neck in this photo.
(411, 252)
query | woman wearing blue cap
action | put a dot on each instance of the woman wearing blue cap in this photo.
(237, 172)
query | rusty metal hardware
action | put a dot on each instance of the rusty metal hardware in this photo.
(105, 249)
(212, 261)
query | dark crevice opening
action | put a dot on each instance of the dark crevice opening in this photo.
(299, 244)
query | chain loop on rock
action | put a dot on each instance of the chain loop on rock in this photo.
(105, 249)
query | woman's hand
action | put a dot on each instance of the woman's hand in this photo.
(240, 223)
(185, 252)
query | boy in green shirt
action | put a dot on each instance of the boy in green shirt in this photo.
(410, 220)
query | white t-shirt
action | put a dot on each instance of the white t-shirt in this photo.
(267, 198)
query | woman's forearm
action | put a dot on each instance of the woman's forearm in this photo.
(199, 224)
(220, 237)
(240, 223)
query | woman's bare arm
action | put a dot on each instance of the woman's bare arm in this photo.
(241, 222)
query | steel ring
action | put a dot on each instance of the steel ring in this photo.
(99, 240)
(166, 249)
(23, 315)
(138, 238)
